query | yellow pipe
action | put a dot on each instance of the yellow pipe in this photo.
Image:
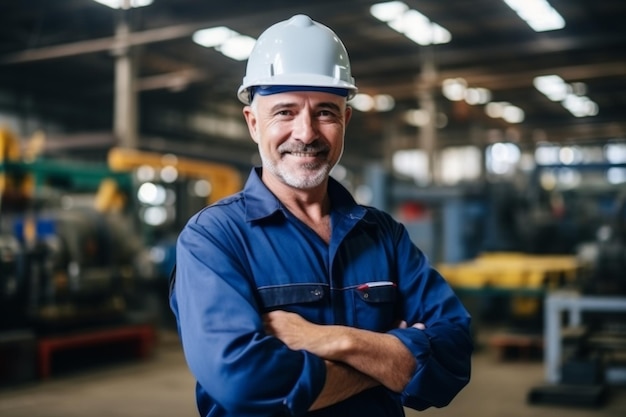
(9, 145)
(224, 179)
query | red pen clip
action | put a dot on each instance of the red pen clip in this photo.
(374, 284)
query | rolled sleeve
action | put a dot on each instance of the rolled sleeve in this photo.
(308, 386)
(443, 350)
(443, 355)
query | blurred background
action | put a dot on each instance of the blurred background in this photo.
(494, 129)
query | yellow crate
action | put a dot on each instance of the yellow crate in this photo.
(511, 270)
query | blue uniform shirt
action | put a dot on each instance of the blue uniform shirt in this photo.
(247, 254)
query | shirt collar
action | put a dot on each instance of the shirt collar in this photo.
(261, 203)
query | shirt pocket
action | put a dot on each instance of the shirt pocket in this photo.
(307, 300)
(374, 305)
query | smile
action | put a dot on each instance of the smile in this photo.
(305, 154)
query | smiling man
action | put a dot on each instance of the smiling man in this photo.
(290, 298)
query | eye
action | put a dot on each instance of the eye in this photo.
(283, 113)
(327, 115)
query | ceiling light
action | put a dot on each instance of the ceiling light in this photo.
(365, 102)
(384, 102)
(580, 106)
(213, 37)
(513, 114)
(454, 88)
(417, 117)
(569, 95)
(389, 10)
(225, 40)
(539, 15)
(506, 111)
(362, 102)
(477, 96)
(238, 47)
(124, 4)
(410, 23)
(552, 86)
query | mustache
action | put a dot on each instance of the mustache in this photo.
(314, 147)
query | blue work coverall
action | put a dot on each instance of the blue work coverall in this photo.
(247, 255)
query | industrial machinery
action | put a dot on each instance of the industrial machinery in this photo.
(77, 239)
(68, 258)
(85, 249)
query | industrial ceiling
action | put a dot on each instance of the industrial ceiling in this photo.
(57, 66)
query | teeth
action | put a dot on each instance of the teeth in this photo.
(303, 154)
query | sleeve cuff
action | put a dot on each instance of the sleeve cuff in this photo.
(308, 387)
(416, 341)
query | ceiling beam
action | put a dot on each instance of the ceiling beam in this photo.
(149, 36)
(101, 45)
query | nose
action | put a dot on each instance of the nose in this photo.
(305, 129)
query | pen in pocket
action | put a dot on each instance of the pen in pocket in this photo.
(374, 284)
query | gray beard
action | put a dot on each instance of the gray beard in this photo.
(318, 173)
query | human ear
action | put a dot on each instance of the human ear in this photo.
(252, 122)
(348, 114)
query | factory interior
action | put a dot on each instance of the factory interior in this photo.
(494, 130)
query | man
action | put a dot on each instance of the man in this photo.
(290, 298)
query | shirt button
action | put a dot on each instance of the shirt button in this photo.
(366, 295)
(316, 292)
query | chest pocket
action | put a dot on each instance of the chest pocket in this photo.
(307, 300)
(374, 306)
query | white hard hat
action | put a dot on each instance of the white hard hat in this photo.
(298, 52)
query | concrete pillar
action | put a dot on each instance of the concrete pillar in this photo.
(427, 82)
(125, 112)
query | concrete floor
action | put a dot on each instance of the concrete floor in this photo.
(162, 386)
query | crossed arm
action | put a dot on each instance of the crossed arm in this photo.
(355, 359)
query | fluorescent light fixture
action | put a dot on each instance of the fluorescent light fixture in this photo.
(580, 106)
(384, 102)
(237, 47)
(212, 37)
(454, 88)
(388, 11)
(539, 15)
(506, 111)
(365, 102)
(410, 23)
(230, 43)
(513, 114)
(362, 102)
(569, 95)
(475, 96)
(121, 4)
(552, 86)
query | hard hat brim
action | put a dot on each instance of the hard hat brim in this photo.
(295, 80)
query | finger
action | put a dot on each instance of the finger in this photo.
(420, 326)
(403, 325)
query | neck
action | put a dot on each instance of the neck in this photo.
(311, 206)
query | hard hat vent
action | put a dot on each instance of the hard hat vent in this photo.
(300, 20)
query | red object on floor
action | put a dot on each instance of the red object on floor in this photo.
(143, 337)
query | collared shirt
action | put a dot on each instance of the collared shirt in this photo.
(247, 255)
